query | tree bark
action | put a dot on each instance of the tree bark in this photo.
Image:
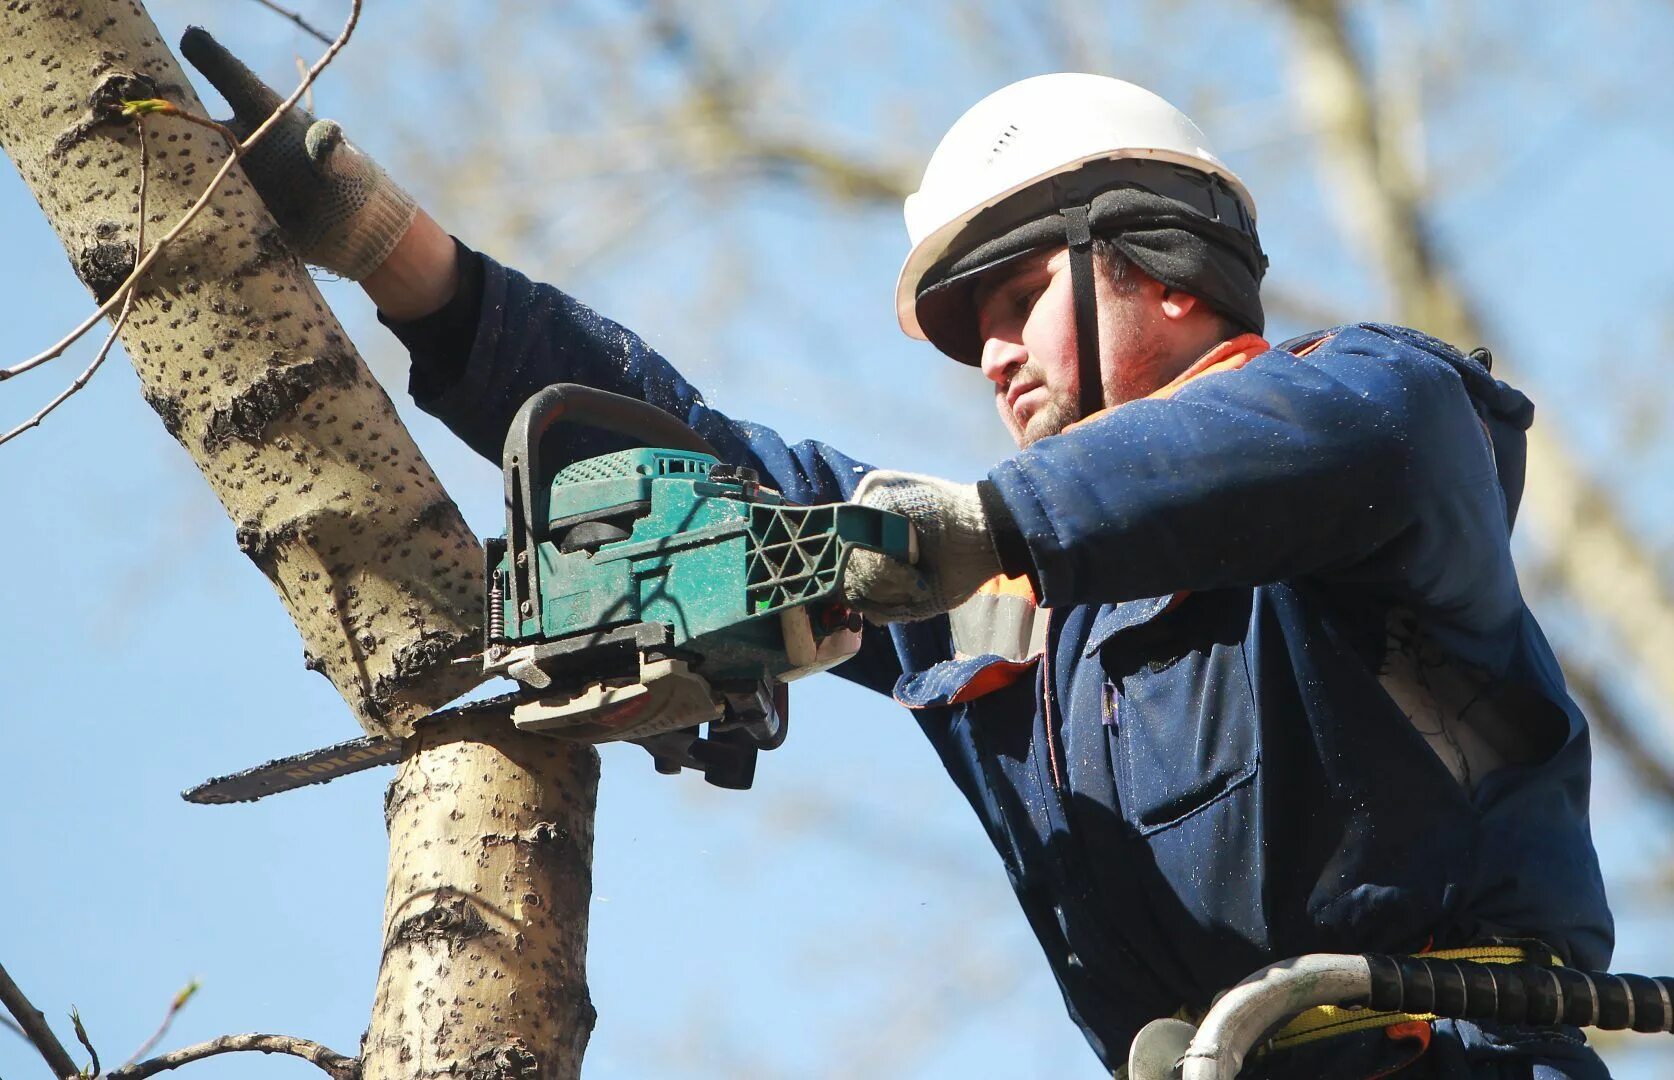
(485, 921)
(249, 371)
(490, 829)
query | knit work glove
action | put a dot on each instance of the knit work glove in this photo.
(955, 551)
(338, 209)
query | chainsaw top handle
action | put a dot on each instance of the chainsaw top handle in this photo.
(576, 404)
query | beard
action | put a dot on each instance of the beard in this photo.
(1051, 418)
(1137, 363)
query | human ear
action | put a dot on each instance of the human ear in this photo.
(1177, 304)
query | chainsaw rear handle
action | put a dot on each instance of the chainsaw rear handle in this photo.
(576, 404)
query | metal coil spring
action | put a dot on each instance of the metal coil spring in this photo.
(496, 609)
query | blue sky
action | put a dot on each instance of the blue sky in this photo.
(846, 916)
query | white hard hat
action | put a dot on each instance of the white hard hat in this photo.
(1033, 131)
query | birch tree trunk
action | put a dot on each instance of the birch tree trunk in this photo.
(249, 371)
(490, 830)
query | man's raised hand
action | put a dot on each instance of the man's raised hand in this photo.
(338, 209)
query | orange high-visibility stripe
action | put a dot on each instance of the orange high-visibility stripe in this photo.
(996, 676)
(1227, 356)
(1001, 585)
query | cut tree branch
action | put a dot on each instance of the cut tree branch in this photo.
(119, 297)
(34, 1028)
(333, 1064)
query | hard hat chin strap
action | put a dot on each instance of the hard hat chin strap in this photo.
(1078, 236)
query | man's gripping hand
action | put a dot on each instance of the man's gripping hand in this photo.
(338, 209)
(955, 551)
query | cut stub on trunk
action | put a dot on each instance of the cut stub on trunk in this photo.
(485, 924)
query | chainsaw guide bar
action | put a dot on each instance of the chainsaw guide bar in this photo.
(298, 770)
(322, 765)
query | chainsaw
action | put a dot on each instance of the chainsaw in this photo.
(654, 595)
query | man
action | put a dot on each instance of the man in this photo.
(1230, 659)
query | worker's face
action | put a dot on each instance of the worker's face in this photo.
(1026, 315)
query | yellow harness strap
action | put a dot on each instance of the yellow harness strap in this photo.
(1326, 1021)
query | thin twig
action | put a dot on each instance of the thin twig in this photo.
(164, 107)
(175, 1006)
(301, 70)
(121, 319)
(332, 1063)
(294, 17)
(119, 297)
(93, 1069)
(35, 1028)
(11, 1025)
(80, 380)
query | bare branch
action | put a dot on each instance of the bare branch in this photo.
(298, 19)
(1591, 688)
(35, 1029)
(120, 296)
(127, 307)
(724, 134)
(11, 1025)
(175, 1006)
(329, 1061)
(302, 73)
(1378, 195)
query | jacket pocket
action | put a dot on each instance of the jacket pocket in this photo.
(1180, 710)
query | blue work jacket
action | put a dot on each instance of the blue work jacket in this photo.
(1200, 773)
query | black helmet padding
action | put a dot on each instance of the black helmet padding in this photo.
(1183, 227)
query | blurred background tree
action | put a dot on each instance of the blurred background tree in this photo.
(725, 177)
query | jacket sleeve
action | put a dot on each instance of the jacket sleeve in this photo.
(529, 336)
(1364, 461)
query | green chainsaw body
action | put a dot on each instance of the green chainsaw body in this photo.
(645, 592)
(745, 585)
